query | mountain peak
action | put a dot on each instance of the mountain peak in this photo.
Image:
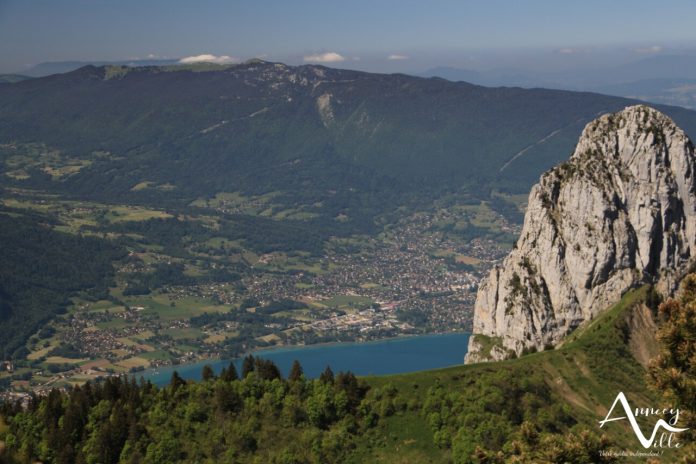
(639, 124)
(620, 213)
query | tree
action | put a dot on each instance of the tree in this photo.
(226, 398)
(673, 371)
(327, 376)
(266, 369)
(229, 374)
(207, 373)
(296, 372)
(347, 382)
(176, 381)
(247, 366)
(320, 407)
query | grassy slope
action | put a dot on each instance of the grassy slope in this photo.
(586, 374)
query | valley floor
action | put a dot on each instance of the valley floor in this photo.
(188, 291)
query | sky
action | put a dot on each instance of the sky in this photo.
(374, 35)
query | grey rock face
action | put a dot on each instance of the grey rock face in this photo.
(621, 212)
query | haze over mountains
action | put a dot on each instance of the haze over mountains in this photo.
(663, 79)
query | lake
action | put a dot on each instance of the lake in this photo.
(381, 357)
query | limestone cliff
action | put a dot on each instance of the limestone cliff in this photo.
(621, 212)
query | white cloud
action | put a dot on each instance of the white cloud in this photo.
(397, 57)
(207, 58)
(653, 49)
(328, 57)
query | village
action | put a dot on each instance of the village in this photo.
(412, 279)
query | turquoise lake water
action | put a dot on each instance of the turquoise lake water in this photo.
(391, 356)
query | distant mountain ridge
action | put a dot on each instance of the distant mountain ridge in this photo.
(354, 143)
(661, 79)
(658, 67)
(12, 78)
(619, 214)
(666, 79)
(59, 67)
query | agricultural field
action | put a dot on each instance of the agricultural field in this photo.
(202, 281)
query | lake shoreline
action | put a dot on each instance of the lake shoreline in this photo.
(281, 355)
(338, 343)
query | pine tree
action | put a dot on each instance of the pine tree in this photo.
(226, 398)
(247, 366)
(327, 376)
(176, 381)
(296, 372)
(266, 369)
(229, 374)
(207, 373)
(347, 382)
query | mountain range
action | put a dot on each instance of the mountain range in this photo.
(59, 67)
(355, 142)
(667, 79)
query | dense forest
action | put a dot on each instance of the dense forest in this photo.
(264, 418)
(40, 269)
(492, 413)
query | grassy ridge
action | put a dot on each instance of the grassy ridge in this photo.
(543, 407)
(583, 377)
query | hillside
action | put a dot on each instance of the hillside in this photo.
(435, 416)
(351, 140)
(40, 269)
(568, 389)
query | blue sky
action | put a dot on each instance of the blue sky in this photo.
(353, 34)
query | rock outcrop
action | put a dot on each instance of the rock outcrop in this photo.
(621, 212)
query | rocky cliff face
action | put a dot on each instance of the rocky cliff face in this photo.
(621, 212)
